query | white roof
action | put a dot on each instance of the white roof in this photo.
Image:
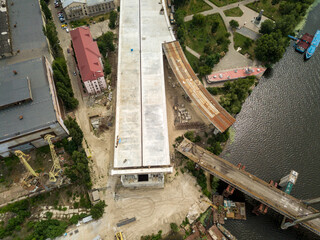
(66, 3)
(141, 117)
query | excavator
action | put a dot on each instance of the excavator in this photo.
(211, 204)
(119, 236)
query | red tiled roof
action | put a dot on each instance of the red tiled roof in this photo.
(87, 53)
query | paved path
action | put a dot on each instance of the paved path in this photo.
(232, 59)
(194, 53)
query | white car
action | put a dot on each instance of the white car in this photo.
(67, 30)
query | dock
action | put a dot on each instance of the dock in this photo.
(236, 73)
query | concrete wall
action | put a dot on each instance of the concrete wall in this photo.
(32, 139)
(154, 181)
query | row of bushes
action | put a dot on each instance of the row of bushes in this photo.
(59, 65)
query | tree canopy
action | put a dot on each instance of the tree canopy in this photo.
(269, 48)
(234, 24)
(267, 27)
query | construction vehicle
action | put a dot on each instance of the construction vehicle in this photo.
(24, 158)
(119, 236)
(56, 167)
(211, 204)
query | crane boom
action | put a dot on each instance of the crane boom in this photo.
(24, 158)
(55, 169)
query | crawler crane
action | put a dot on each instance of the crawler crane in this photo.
(24, 158)
(56, 167)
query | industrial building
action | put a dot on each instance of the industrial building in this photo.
(5, 38)
(76, 9)
(29, 106)
(88, 60)
(141, 155)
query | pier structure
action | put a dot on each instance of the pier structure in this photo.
(285, 204)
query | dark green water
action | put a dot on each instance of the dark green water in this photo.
(278, 130)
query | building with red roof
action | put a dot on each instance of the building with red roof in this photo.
(89, 60)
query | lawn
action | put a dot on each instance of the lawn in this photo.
(195, 6)
(85, 21)
(246, 44)
(233, 12)
(270, 11)
(194, 62)
(221, 3)
(198, 37)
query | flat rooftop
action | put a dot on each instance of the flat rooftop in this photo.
(28, 38)
(141, 117)
(14, 92)
(36, 113)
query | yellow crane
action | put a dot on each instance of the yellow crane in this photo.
(27, 181)
(119, 236)
(24, 158)
(56, 168)
(211, 204)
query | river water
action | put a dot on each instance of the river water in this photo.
(278, 129)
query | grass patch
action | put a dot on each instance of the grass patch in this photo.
(270, 11)
(194, 62)
(233, 12)
(221, 3)
(89, 20)
(198, 37)
(195, 6)
(247, 45)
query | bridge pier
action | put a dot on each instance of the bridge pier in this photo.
(311, 201)
(300, 220)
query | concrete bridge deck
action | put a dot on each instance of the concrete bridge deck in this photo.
(249, 184)
(189, 81)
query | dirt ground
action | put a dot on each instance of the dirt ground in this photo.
(154, 209)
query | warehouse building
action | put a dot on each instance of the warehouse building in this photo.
(29, 106)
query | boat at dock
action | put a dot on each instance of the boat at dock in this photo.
(226, 232)
(314, 44)
(303, 43)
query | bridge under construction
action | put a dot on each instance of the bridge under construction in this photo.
(253, 186)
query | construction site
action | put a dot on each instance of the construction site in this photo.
(143, 152)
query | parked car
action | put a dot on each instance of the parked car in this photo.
(67, 30)
(60, 14)
(74, 73)
(64, 26)
(61, 19)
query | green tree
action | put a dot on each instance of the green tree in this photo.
(97, 210)
(214, 27)
(105, 43)
(204, 70)
(113, 19)
(174, 227)
(198, 20)
(234, 24)
(269, 48)
(286, 24)
(46, 10)
(267, 27)
(74, 130)
(107, 67)
(79, 171)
